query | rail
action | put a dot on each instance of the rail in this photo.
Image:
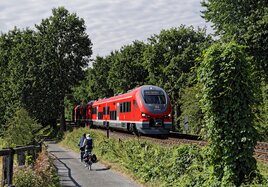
(7, 156)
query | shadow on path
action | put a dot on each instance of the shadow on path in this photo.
(102, 169)
(69, 171)
(58, 151)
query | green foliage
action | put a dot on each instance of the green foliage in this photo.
(246, 22)
(152, 164)
(42, 175)
(262, 121)
(29, 159)
(26, 178)
(16, 52)
(64, 50)
(127, 70)
(263, 168)
(99, 74)
(190, 107)
(169, 58)
(39, 68)
(69, 105)
(228, 100)
(72, 139)
(21, 129)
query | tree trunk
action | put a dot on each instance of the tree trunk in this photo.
(62, 117)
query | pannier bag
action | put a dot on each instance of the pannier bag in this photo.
(94, 158)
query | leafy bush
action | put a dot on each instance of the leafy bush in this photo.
(26, 178)
(21, 128)
(42, 175)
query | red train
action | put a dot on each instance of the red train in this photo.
(143, 110)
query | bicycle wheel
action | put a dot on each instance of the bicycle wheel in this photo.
(90, 164)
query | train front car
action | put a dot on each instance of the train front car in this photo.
(155, 110)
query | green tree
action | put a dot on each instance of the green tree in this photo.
(99, 86)
(228, 102)
(190, 107)
(21, 129)
(127, 70)
(5, 55)
(81, 93)
(16, 52)
(64, 49)
(245, 21)
(169, 58)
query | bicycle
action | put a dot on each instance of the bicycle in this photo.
(88, 160)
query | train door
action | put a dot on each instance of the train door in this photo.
(106, 113)
(97, 109)
(134, 109)
(117, 111)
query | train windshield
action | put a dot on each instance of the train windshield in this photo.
(154, 97)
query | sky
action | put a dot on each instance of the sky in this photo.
(111, 24)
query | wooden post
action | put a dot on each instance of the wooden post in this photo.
(2, 182)
(10, 161)
(40, 149)
(108, 129)
(21, 158)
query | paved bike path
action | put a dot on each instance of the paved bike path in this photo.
(73, 173)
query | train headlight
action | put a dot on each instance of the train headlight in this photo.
(168, 116)
(145, 115)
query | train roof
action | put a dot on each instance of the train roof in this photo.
(129, 94)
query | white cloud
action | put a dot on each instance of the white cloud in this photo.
(110, 23)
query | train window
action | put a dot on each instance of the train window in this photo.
(113, 115)
(125, 107)
(106, 110)
(128, 107)
(155, 99)
(94, 110)
(100, 115)
(121, 107)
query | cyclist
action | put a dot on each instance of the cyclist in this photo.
(88, 145)
(81, 146)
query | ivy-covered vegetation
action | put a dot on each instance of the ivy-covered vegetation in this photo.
(228, 101)
(248, 27)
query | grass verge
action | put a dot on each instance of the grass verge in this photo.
(151, 164)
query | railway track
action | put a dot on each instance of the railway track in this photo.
(261, 149)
